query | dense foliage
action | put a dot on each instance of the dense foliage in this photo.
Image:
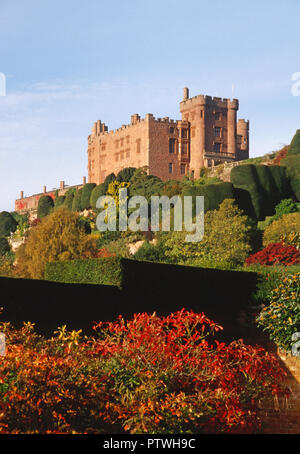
(275, 254)
(226, 240)
(281, 317)
(45, 206)
(58, 237)
(285, 225)
(7, 223)
(146, 375)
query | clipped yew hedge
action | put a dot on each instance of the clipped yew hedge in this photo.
(164, 288)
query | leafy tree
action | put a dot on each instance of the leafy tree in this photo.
(151, 252)
(146, 185)
(126, 174)
(97, 192)
(4, 245)
(286, 224)
(226, 241)
(58, 237)
(286, 206)
(76, 204)
(111, 177)
(45, 206)
(86, 195)
(7, 223)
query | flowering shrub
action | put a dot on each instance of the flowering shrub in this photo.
(281, 318)
(147, 375)
(291, 239)
(275, 254)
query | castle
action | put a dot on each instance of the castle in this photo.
(207, 134)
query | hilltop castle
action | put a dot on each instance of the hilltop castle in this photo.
(207, 134)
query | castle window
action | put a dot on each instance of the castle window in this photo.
(127, 153)
(184, 133)
(121, 142)
(171, 130)
(217, 147)
(127, 140)
(217, 132)
(171, 145)
(217, 115)
(182, 169)
(138, 145)
(170, 167)
(122, 154)
(184, 148)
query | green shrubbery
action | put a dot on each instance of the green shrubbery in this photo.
(105, 271)
(281, 317)
(45, 206)
(7, 224)
(286, 224)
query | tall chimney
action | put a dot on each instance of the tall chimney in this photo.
(185, 93)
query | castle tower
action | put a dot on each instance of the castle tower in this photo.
(232, 107)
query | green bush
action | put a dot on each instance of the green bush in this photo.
(86, 195)
(97, 192)
(281, 317)
(4, 246)
(288, 223)
(105, 271)
(151, 252)
(69, 196)
(76, 203)
(111, 177)
(7, 224)
(286, 206)
(126, 174)
(45, 206)
(59, 202)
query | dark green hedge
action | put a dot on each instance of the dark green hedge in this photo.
(164, 288)
(53, 304)
(214, 194)
(266, 186)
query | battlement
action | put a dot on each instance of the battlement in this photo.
(201, 99)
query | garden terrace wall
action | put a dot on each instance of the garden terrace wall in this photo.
(223, 296)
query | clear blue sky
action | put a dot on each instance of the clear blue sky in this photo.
(69, 63)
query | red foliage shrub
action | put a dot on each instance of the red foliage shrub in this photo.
(147, 375)
(280, 155)
(275, 254)
(103, 252)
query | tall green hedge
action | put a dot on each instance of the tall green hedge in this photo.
(105, 271)
(7, 223)
(164, 288)
(97, 192)
(76, 203)
(86, 195)
(294, 147)
(45, 206)
(214, 194)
